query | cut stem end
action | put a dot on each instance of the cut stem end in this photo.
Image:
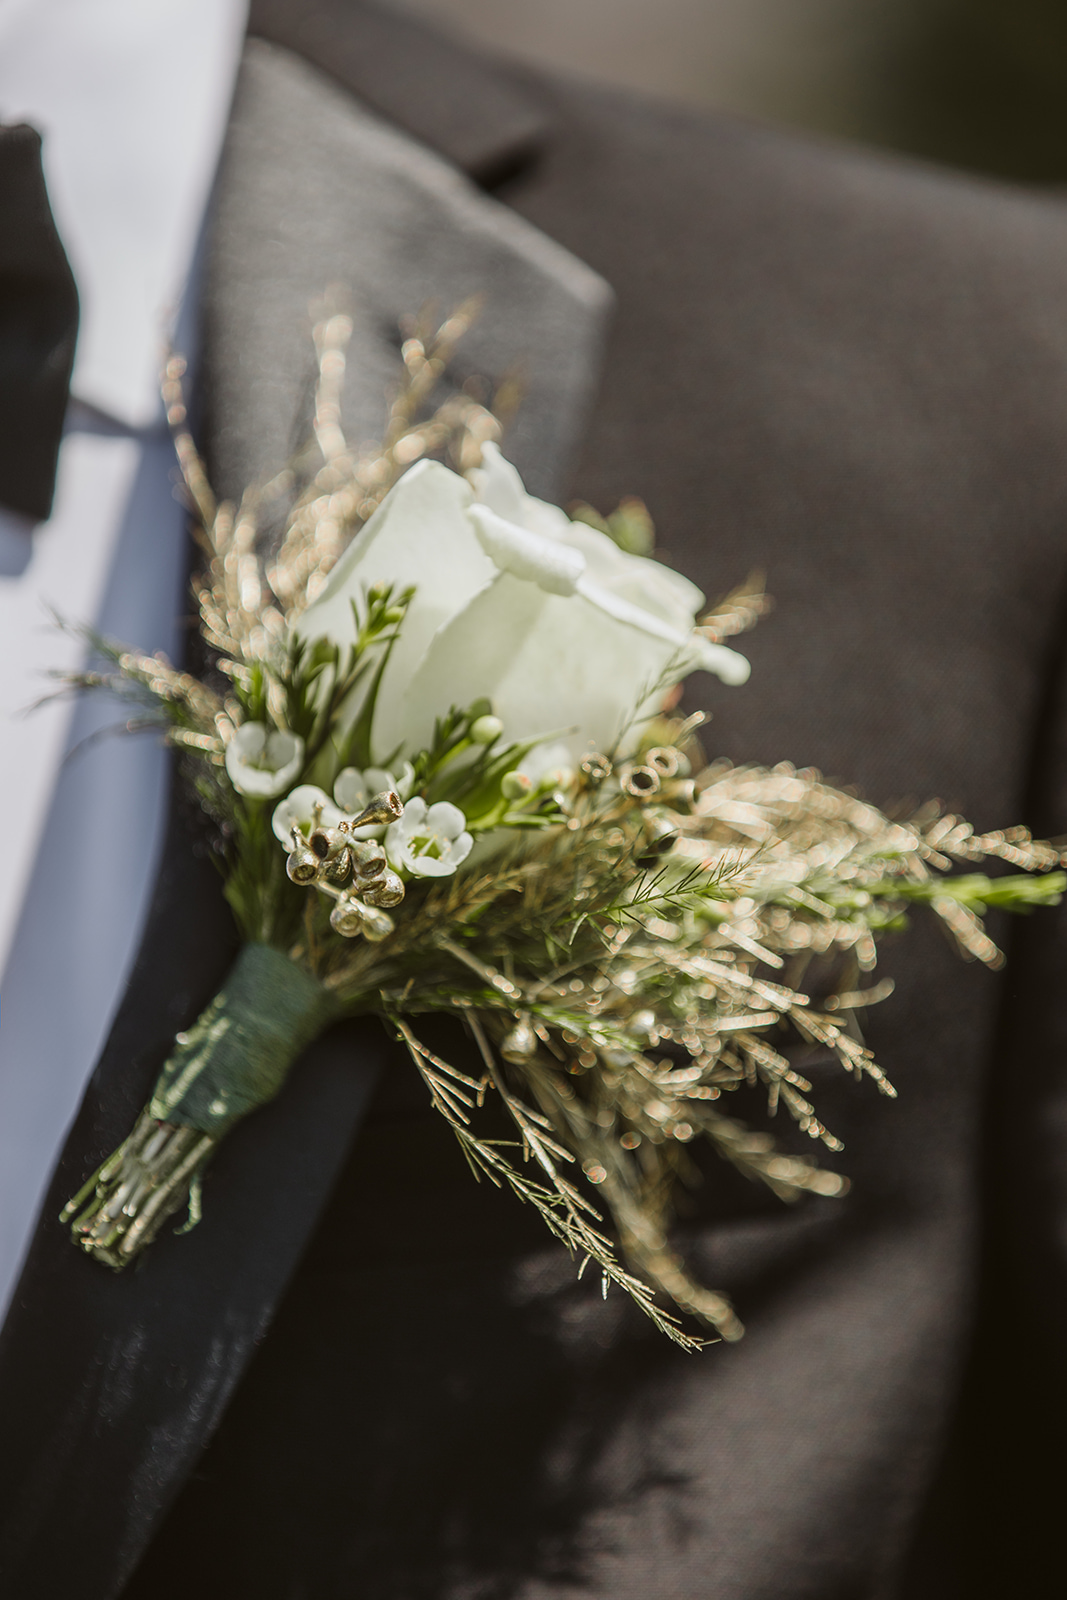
(125, 1203)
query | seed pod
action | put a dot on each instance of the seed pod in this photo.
(520, 1044)
(661, 833)
(383, 808)
(596, 768)
(346, 918)
(641, 782)
(386, 890)
(303, 866)
(328, 843)
(368, 858)
(665, 760)
(642, 1024)
(377, 925)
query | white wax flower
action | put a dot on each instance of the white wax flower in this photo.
(354, 789)
(561, 630)
(306, 807)
(262, 762)
(429, 842)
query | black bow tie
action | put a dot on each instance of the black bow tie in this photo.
(38, 328)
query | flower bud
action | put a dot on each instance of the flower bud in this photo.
(303, 866)
(596, 768)
(643, 1024)
(385, 890)
(384, 807)
(486, 730)
(368, 859)
(377, 925)
(346, 918)
(662, 833)
(515, 786)
(327, 843)
(556, 779)
(520, 1044)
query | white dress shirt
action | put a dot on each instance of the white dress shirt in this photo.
(131, 98)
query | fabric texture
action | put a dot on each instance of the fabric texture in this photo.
(316, 192)
(441, 92)
(38, 329)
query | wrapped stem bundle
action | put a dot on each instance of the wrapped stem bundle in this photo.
(235, 1059)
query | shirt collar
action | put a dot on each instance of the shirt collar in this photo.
(131, 98)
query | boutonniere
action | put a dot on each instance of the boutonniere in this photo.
(437, 745)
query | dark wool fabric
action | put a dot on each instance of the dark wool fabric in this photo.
(851, 374)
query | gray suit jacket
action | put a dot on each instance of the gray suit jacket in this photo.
(851, 373)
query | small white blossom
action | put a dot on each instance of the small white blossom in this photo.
(262, 762)
(354, 789)
(429, 842)
(305, 808)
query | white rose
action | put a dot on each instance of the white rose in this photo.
(561, 630)
(262, 762)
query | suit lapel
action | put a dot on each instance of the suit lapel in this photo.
(315, 190)
(444, 94)
(111, 1385)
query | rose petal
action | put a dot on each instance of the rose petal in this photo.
(548, 662)
(728, 665)
(546, 562)
(497, 485)
(421, 534)
(645, 583)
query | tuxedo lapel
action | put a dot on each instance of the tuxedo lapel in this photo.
(110, 1385)
(315, 191)
(443, 93)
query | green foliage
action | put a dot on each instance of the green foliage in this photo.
(471, 774)
(629, 525)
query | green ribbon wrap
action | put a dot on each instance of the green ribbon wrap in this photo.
(238, 1053)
